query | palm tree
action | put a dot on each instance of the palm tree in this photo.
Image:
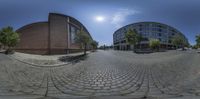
(83, 38)
(8, 38)
(132, 37)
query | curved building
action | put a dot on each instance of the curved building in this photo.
(148, 30)
(56, 36)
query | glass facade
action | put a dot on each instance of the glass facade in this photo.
(148, 30)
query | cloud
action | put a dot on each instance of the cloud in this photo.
(120, 16)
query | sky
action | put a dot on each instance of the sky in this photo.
(103, 17)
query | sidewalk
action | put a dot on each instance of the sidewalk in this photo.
(43, 60)
(2, 51)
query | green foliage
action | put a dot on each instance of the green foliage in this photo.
(198, 41)
(154, 43)
(179, 41)
(94, 44)
(83, 38)
(132, 36)
(0, 46)
(8, 37)
(194, 47)
(139, 38)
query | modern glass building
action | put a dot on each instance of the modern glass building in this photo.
(148, 30)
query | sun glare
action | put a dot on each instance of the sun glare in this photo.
(99, 18)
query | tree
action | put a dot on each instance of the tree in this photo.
(83, 38)
(179, 41)
(132, 37)
(8, 38)
(198, 40)
(154, 44)
(195, 47)
(140, 38)
(94, 44)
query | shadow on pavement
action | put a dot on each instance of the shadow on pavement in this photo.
(73, 59)
(148, 51)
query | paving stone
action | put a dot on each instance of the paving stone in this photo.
(103, 73)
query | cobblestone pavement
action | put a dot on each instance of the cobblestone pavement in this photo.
(173, 74)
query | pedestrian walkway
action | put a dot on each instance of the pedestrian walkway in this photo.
(2, 51)
(43, 60)
(114, 74)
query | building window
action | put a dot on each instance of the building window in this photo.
(159, 34)
(173, 30)
(160, 30)
(73, 31)
(159, 26)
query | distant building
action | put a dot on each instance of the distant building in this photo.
(56, 36)
(148, 30)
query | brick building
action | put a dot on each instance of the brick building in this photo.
(57, 36)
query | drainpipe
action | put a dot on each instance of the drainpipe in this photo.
(68, 35)
(49, 37)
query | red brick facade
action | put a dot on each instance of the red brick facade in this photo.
(52, 37)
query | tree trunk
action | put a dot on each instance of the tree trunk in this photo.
(158, 48)
(85, 48)
(8, 51)
(166, 46)
(183, 48)
(133, 47)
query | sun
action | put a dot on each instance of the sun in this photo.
(99, 18)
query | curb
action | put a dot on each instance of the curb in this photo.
(44, 66)
(37, 65)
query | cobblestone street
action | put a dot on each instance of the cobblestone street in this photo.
(173, 74)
